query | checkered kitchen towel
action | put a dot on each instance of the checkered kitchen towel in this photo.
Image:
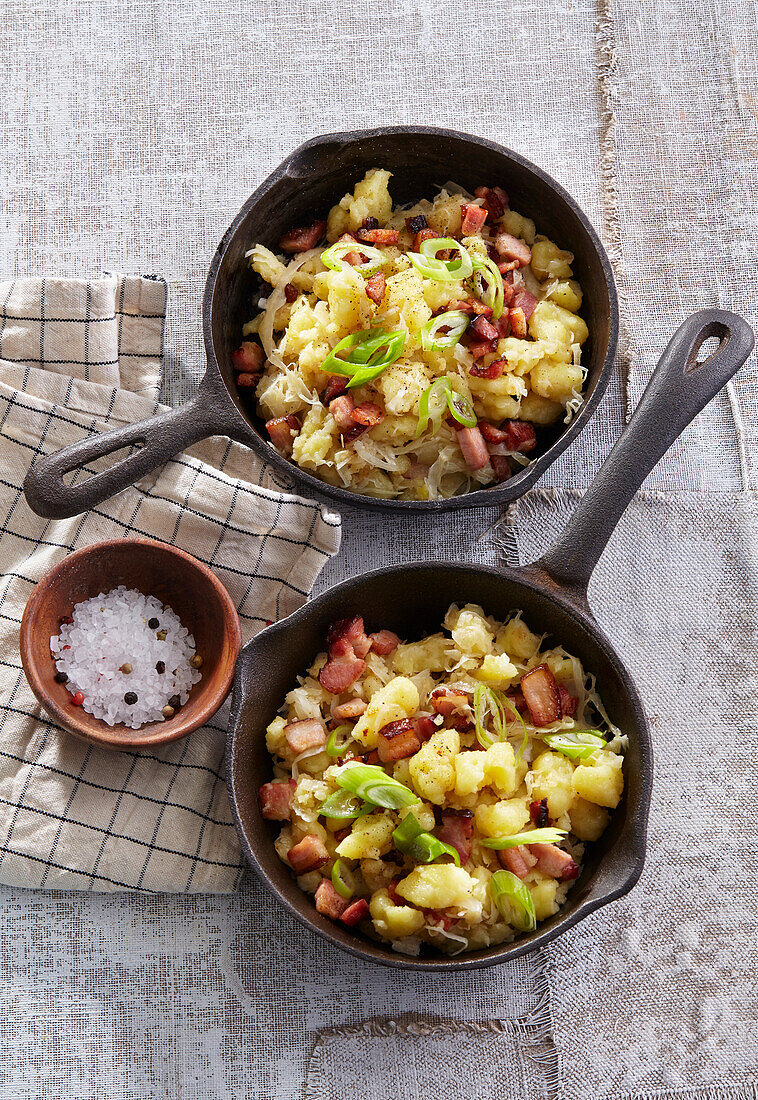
(77, 357)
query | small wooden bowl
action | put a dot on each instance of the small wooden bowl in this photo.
(156, 569)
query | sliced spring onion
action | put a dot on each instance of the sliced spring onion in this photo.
(335, 746)
(488, 703)
(462, 267)
(334, 257)
(575, 744)
(342, 880)
(372, 783)
(368, 353)
(343, 806)
(488, 284)
(432, 405)
(455, 321)
(534, 836)
(442, 271)
(411, 839)
(513, 900)
(511, 706)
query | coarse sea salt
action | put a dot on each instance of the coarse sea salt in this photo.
(110, 631)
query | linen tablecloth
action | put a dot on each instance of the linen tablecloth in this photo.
(133, 134)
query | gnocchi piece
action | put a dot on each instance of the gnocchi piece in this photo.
(432, 768)
(397, 699)
(601, 781)
(552, 777)
(370, 837)
(504, 818)
(441, 886)
(394, 922)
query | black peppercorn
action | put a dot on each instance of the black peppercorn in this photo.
(152, 623)
(61, 677)
(130, 698)
(174, 701)
(160, 667)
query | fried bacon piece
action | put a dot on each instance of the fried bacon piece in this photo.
(519, 861)
(456, 830)
(398, 740)
(495, 200)
(494, 370)
(568, 702)
(470, 305)
(511, 248)
(308, 855)
(482, 329)
(290, 293)
(480, 348)
(473, 447)
(525, 301)
(308, 733)
(425, 727)
(248, 358)
(448, 700)
(542, 696)
(302, 238)
(246, 381)
(473, 218)
(501, 467)
(342, 409)
(275, 800)
(282, 431)
(328, 901)
(518, 322)
(348, 645)
(384, 642)
(355, 913)
(335, 387)
(378, 236)
(553, 861)
(538, 813)
(423, 235)
(513, 435)
(353, 708)
(416, 224)
(376, 286)
(368, 414)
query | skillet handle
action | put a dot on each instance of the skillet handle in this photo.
(678, 390)
(159, 439)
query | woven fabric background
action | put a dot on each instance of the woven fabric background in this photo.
(133, 132)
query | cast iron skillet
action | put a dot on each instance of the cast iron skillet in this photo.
(412, 600)
(304, 186)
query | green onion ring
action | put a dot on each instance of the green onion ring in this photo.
(332, 747)
(505, 887)
(575, 744)
(459, 406)
(333, 258)
(455, 320)
(534, 836)
(493, 294)
(342, 880)
(415, 842)
(365, 359)
(373, 784)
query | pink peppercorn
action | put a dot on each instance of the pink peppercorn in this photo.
(78, 698)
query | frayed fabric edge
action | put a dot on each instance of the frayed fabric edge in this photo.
(536, 1059)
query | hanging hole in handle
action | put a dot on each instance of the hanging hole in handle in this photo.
(711, 341)
(82, 474)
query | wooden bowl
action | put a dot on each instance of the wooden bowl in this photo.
(156, 569)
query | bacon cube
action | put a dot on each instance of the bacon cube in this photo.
(541, 695)
(553, 861)
(353, 708)
(482, 329)
(397, 740)
(378, 236)
(329, 902)
(249, 358)
(448, 700)
(384, 642)
(342, 409)
(275, 799)
(308, 855)
(335, 387)
(568, 702)
(511, 248)
(306, 734)
(302, 238)
(355, 913)
(376, 286)
(473, 218)
(368, 414)
(494, 370)
(456, 830)
(473, 447)
(282, 431)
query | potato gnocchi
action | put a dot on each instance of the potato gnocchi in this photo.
(438, 794)
(418, 356)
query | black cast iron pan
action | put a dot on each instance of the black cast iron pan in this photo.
(304, 186)
(412, 600)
